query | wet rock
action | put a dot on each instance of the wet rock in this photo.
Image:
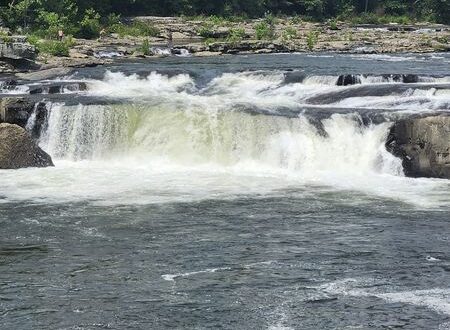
(45, 74)
(348, 79)
(423, 144)
(293, 77)
(19, 150)
(402, 78)
(18, 111)
(15, 110)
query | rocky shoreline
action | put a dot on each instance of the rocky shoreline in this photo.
(188, 37)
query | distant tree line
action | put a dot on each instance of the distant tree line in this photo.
(83, 16)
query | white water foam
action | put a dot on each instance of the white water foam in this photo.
(437, 299)
(179, 143)
(173, 277)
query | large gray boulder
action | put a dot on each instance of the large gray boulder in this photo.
(18, 49)
(423, 144)
(19, 150)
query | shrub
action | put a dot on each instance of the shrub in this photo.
(52, 47)
(443, 39)
(145, 47)
(332, 25)
(136, 29)
(289, 33)
(236, 35)
(264, 31)
(90, 25)
(206, 31)
(311, 39)
(4, 37)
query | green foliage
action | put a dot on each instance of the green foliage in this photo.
(144, 48)
(264, 31)
(90, 26)
(289, 34)
(236, 35)
(311, 39)
(5, 37)
(206, 31)
(52, 47)
(136, 29)
(443, 40)
(296, 20)
(371, 18)
(83, 17)
(332, 25)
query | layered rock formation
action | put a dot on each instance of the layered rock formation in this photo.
(423, 144)
(19, 150)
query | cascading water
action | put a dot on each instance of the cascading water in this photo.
(225, 138)
(244, 125)
(247, 192)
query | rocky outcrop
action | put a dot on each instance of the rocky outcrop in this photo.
(17, 55)
(19, 150)
(17, 50)
(18, 110)
(423, 144)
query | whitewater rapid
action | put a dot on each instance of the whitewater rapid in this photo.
(165, 139)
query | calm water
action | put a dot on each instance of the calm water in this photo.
(177, 210)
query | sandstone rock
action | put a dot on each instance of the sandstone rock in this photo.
(423, 144)
(18, 150)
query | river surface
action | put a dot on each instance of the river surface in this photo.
(236, 192)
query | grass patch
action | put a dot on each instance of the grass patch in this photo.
(52, 47)
(136, 29)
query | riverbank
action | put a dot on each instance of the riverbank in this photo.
(206, 37)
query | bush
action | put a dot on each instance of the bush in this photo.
(236, 35)
(206, 31)
(52, 47)
(264, 31)
(4, 37)
(144, 48)
(90, 25)
(311, 39)
(332, 25)
(136, 29)
(289, 33)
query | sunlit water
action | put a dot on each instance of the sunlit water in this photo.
(216, 193)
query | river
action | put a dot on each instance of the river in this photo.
(235, 192)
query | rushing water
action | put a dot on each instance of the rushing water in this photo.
(235, 192)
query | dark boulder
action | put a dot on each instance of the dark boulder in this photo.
(19, 150)
(15, 110)
(401, 78)
(348, 79)
(294, 77)
(423, 144)
(18, 111)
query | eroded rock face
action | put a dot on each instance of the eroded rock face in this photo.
(423, 144)
(19, 150)
(17, 50)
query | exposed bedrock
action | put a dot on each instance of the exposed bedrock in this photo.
(19, 150)
(423, 144)
(17, 54)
